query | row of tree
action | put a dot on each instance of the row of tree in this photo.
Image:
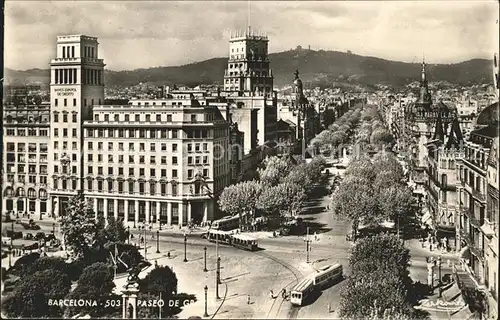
(339, 132)
(379, 286)
(372, 131)
(279, 192)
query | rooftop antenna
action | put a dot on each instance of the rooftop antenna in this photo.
(248, 16)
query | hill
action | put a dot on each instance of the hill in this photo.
(316, 68)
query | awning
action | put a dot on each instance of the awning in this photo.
(463, 252)
(427, 218)
(486, 229)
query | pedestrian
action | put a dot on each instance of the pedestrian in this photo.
(283, 293)
(248, 299)
(150, 228)
(328, 306)
(168, 254)
(271, 294)
(152, 236)
(142, 239)
(156, 264)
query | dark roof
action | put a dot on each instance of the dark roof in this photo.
(439, 132)
(455, 137)
(488, 115)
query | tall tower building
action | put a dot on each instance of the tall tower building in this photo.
(248, 65)
(77, 83)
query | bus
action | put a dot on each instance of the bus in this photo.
(221, 236)
(227, 223)
(327, 274)
(301, 291)
(243, 241)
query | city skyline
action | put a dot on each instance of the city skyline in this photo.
(176, 33)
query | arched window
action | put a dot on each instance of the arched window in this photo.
(42, 194)
(9, 192)
(20, 192)
(31, 193)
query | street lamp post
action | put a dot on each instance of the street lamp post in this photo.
(145, 245)
(157, 241)
(185, 247)
(54, 228)
(205, 255)
(307, 241)
(439, 275)
(206, 311)
(217, 279)
(128, 234)
(10, 254)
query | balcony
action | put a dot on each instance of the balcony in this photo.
(478, 196)
(475, 250)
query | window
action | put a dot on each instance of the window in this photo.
(120, 171)
(56, 103)
(89, 145)
(117, 117)
(158, 117)
(190, 173)
(141, 171)
(193, 118)
(65, 132)
(163, 173)
(189, 147)
(120, 187)
(174, 160)
(152, 147)
(153, 160)
(56, 169)
(205, 159)
(190, 160)
(130, 159)
(121, 133)
(148, 118)
(111, 133)
(152, 172)
(174, 173)
(163, 159)
(110, 171)
(152, 188)
(130, 171)
(99, 145)
(73, 133)
(120, 146)
(142, 133)
(174, 189)
(163, 147)
(56, 132)
(174, 147)
(73, 145)
(205, 173)
(90, 170)
(169, 118)
(99, 170)
(142, 159)
(73, 169)
(131, 146)
(110, 189)
(205, 146)
(197, 147)
(142, 147)
(163, 189)
(174, 134)
(74, 102)
(120, 158)
(65, 102)
(131, 187)
(89, 157)
(99, 158)
(99, 185)
(137, 118)
(110, 146)
(89, 185)
(127, 118)
(141, 187)
(131, 133)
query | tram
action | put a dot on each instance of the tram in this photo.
(245, 242)
(327, 275)
(221, 236)
(301, 291)
(226, 223)
(231, 238)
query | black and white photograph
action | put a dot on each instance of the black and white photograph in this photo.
(250, 159)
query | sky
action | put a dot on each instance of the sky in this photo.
(143, 34)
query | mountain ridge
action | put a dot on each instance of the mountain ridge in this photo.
(316, 68)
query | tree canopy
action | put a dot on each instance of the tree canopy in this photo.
(32, 293)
